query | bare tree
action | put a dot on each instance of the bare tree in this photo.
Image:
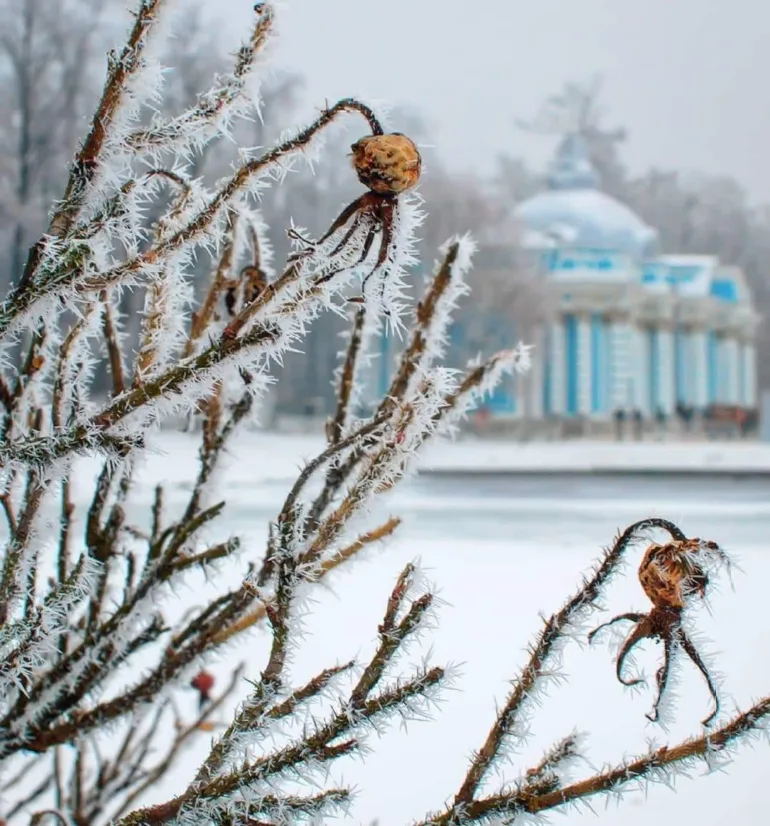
(513, 181)
(509, 280)
(46, 66)
(710, 215)
(577, 109)
(462, 200)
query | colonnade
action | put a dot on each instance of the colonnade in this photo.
(599, 364)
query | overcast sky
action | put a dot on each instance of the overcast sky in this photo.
(690, 79)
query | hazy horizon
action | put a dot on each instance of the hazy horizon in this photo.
(684, 78)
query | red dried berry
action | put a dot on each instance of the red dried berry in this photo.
(203, 682)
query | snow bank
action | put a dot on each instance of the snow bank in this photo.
(565, 457)
(260, 457)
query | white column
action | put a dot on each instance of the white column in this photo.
(637, 374)
(733, 358)
(643, 364)
(644, 370)
(681, 357)
(749, 368)
(688, 348)
(723, 371)
(666, 372)
(584, 377)
(620, 364)
(638, 362)
(558, 387)
(698, 369)
(603, 369)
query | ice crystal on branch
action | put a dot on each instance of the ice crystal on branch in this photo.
(96, 643)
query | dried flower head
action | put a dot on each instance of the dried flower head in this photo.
(670, 574)
(387, 164)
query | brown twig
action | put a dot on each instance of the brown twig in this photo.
(211, 106)
(113, 347)
(23, 299)
(324, 742)
(425, 318)
(325, 567)
(181, 740)
(347, 376)
(424, 321)
(202, 318)
(157, 302)
(648, 767)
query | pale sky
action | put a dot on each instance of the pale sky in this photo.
(689, 79)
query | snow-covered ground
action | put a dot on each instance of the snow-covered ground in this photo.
(502, 553)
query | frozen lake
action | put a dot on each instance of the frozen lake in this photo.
(542, 507)
(502, 551)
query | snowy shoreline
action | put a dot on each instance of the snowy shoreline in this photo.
(263, 454)
(600, 458)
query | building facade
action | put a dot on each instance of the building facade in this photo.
(634, 331)
(654, 336)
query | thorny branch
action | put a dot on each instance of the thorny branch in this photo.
(80, 614)
(104, 636)
(321, 742)
(544, 648)
(542, 788)
(426, 318)
(650, 767)
(86, 163)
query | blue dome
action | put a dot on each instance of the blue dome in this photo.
(572, 212)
